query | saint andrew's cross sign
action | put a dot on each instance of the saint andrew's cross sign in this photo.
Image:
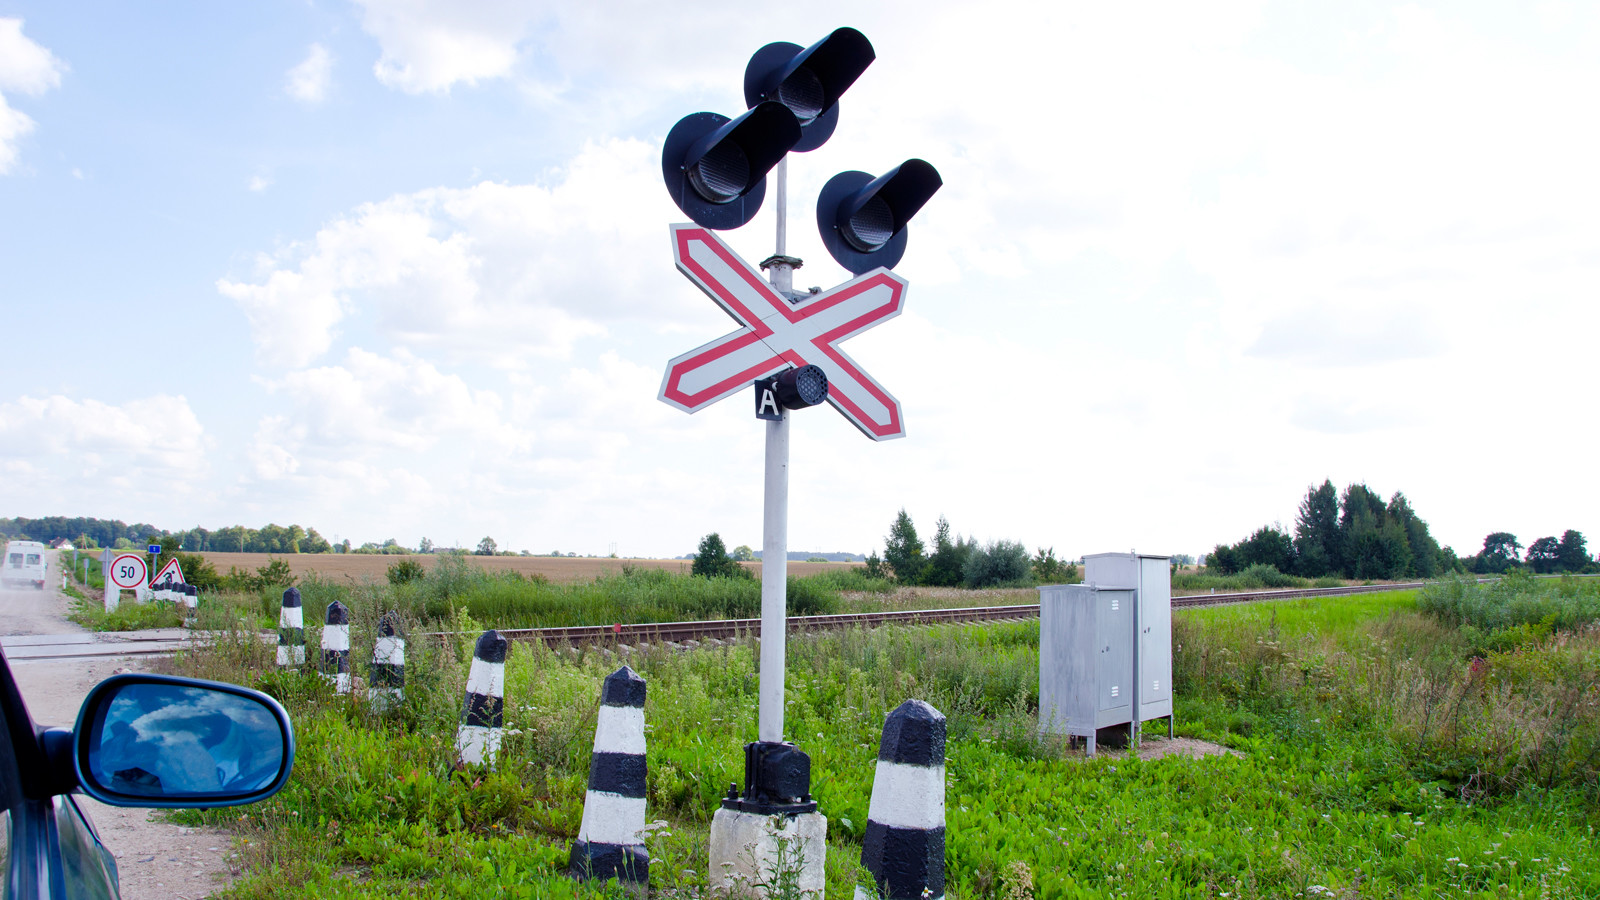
(775, 334)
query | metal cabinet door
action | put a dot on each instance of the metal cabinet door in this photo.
(1114, 630)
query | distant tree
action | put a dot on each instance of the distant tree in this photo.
(874, 565)
(486, 547)
(712, 560)
(1049, 570)
(1316, 532)
(1573, 554)
(946, 567)
(1544, 555)
(999, 563)
(1222, 560)
(1500, 552)
(743, 553)
(1424, 549)
(1270, 545)
(1182, 559)
(425, 546)
(903, 551)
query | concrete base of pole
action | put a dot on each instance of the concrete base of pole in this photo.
(751, 854)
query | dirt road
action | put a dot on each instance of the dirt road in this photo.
(156, 860)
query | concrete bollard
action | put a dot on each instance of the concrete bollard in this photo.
(608, 844)
(191, 598)
(291, 630)
(904, 844)
(336, 647)
(483, 716)
(387, 686)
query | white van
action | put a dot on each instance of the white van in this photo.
(23, 565)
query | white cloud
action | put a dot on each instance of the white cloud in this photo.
(151, 439)
(430, 46)
(309, 81)
(27, 68)
(495, 272)
(258, 183)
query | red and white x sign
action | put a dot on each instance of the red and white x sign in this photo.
(775, 334)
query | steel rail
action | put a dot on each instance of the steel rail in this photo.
(731, 629)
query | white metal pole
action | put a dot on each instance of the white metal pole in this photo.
(775, 523)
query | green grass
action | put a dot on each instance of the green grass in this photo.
(1376, 758)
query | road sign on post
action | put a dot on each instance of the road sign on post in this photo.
(775, 334)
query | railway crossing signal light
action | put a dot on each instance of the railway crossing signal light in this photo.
(863, 219)
(809, 81)
(716, 167)
(793, 388)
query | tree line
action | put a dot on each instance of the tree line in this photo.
(88, 533)
(955, 561)
(1359, 535)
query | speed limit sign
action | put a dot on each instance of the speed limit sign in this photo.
(129, 571)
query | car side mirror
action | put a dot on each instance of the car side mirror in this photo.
(160, 741)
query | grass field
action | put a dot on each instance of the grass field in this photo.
(1378, 755)
(557, 569)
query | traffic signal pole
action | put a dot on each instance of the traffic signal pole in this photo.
(775, 515)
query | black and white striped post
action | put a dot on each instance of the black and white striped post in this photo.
(291, 630)
(387, 686)
(904, 844)
(608, 844)
(483, 714)
(336, 647)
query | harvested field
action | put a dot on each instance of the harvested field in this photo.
(559, 570)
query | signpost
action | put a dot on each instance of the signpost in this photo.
(127, 571)
(788, 346)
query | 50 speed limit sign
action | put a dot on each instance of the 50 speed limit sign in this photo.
(128, 571)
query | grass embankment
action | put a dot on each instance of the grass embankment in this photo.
(1381, 754)
(435, 597)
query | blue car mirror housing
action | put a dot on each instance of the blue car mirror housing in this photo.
(161, 741)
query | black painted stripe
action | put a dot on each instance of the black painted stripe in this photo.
(291, 637)
(904, 861)
(484, 710)
(623, 687)
(617, 773)
(388, 675)
(337, 614)
(624, 862)
(337, 661)
(913, 734)
(291, 597)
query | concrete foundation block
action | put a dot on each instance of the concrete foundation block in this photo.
(751, 854)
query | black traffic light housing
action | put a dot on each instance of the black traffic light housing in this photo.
(863, 219)
(809, 81)
(716, 167)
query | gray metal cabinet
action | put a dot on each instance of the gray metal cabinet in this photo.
(1086, 659)
(1150, 577)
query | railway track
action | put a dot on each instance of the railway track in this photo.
(731, 629)
(40, 648)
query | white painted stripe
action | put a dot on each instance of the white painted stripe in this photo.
(487, 678)
(476, 743)
(390, 650)
(291, 617)
(336, 637)
(291, 656)
(907, 796)
(620, 730)
(340, 680)
(611, 818)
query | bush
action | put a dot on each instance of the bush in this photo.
(406, 571)
(1000, 563)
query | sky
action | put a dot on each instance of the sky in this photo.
(401, 269)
